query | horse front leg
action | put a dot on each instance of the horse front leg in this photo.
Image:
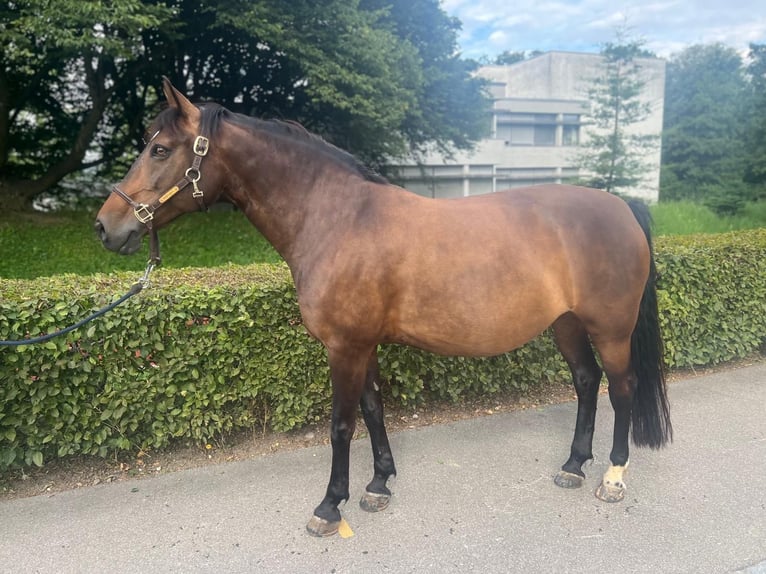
(347, 370)
(377, 495)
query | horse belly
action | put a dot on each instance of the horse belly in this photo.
(469, 341)
(473, 325)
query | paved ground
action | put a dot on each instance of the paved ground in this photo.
(473, 496)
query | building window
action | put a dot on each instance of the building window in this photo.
(570, 136)
(480, 185)
(435, 180)
(444, 188)
(545, 135)
(481, 169)
(503, 184)
(527, 129)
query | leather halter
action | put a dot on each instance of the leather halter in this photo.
(144, 212)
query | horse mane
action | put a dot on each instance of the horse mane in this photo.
(213, 114)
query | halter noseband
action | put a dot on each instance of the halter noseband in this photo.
(144, 212)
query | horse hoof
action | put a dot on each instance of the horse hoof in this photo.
(610, 492)
(566, 479)
(322, 528)
(374, 502)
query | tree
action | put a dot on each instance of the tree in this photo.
(755, 133)
(61, 64)
(330, 65)
(612, 156)
(376, 78)
(452, 108)
(703, 151)
(508, 57)
(380, 78)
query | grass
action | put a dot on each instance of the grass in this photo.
(686, 217)
(40, 245)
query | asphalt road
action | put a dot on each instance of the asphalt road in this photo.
(472, 496)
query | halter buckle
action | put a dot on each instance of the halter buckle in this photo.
(143, 213)
(201, 146)
(197, 193)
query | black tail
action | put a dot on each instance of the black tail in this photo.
(651, 416)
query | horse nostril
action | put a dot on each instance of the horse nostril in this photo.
(100, 231)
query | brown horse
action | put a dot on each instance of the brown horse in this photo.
(373, 264)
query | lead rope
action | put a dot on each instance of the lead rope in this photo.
(145, 214)
(135, 289)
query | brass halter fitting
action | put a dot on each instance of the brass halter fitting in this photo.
(145, 212)
(201, 146)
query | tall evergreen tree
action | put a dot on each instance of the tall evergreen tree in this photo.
(612, 157)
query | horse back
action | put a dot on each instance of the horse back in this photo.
(473, 276)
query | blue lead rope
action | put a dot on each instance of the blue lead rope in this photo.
(135, 289)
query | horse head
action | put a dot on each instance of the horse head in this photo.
(165, 181)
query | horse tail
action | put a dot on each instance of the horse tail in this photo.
(651, 416)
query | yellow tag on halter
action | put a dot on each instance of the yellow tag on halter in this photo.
(169, 193)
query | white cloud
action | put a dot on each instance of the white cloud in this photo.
(667, 26)
(610, 19)
(498, 39)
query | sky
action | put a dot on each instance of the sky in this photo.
(666, 26)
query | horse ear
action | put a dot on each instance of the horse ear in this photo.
(177, 100)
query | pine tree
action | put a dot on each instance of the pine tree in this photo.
(612, 158)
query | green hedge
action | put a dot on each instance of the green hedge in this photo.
(712, 296)
(208, 351)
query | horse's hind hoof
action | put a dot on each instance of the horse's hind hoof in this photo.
(612, 487)
(322, 528)
(374, 502)
(610, 492)
(566, 479)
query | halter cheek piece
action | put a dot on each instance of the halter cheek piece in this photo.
(145, 212)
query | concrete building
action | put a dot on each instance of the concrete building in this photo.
(539, 119)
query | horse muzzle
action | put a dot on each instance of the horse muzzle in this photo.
(125, 242)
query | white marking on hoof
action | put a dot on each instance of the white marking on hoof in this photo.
(614, 475)
(612, 487)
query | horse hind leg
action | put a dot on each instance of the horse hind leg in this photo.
(572, 340)
(615, 356)
(377, 495)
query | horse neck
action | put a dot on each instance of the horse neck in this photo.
(291, 193)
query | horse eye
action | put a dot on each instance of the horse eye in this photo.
(160, 151)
